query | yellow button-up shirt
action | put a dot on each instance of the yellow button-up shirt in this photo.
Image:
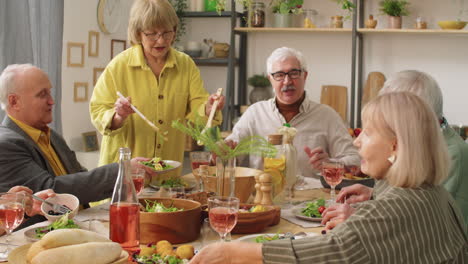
(178, 94)
(42, 139)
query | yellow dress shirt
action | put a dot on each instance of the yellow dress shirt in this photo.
(42, 139)
(177, 95)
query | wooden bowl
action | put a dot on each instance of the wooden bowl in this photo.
(249, 223)
(245, 182)
(175, 227)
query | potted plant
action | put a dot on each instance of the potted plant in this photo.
(283, 11)
(259, 92)
(395, 9)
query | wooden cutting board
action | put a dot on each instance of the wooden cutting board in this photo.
(375, 82)
(337, 97)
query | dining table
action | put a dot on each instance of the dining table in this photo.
(97, 219)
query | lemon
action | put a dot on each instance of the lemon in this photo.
(258, 208)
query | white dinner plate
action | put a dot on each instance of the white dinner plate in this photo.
(297, 213)
(175, 164)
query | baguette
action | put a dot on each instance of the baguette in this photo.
(91, 252)
(63, 237)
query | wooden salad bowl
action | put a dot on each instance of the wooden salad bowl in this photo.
(249, 223)
(245, 182)
(175, 227)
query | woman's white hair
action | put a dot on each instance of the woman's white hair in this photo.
(420, 83)
(8, 83)
(281, 54)
(421, 152)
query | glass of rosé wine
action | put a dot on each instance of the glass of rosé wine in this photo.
(223, 214)
(138, 178)
(333, 172)
(11, 216)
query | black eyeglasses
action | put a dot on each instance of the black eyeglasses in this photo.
(280, 75)
(155, 36)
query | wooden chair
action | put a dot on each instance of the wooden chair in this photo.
(337, 98)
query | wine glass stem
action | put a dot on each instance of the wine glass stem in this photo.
(332, 194)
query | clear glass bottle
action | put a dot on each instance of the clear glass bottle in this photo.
(310, 18)
(124, 215)
(257, 14)
(290, 154)
(275, 165)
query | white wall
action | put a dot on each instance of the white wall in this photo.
(328, 54)
(80, 17)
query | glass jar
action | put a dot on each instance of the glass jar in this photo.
(336, 22)
(257, 14)
(310, 18)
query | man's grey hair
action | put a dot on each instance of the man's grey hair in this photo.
(8, 81)
(281, 54)
(419, 83)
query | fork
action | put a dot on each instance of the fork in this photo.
(55, 207)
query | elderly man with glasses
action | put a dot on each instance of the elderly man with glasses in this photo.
(321, 132)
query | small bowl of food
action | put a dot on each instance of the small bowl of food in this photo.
(452, 25)
(174, 220)
(68, 200)
(255, 218)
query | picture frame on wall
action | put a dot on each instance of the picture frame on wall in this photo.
(75, 54)
(80, 92)
(117, 46)
(96, 73)
(93, 44)
(90, 141)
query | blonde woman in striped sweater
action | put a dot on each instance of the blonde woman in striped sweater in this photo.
(412, 219)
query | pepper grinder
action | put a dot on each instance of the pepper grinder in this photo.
(265, 182)
(258, 192)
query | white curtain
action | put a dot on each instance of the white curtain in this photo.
(31, 32)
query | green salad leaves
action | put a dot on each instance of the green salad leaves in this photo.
(312, 208)
(155, 207)
(62, 223)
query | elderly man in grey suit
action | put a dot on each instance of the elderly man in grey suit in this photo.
(32, 154)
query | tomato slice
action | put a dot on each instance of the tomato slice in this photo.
(321, 209)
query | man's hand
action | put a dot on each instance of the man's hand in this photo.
(355, 193)
(136, 163)
(316, 157)
(210, 102)
(336, 214)
(36, 205)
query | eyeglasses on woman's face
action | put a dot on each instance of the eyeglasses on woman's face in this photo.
(167, 35)
(280, 75)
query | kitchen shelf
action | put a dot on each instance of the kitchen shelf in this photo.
(210, 14)
(413, 31)
(213, 61)
(298, 29)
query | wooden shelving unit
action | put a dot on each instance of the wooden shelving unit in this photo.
(413, 31)
(285, 30)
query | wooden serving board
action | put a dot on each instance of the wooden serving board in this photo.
(336, 97)
(375, 82)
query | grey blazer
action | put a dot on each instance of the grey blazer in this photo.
(23, 163)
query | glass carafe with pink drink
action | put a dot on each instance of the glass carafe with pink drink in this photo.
(124, 225)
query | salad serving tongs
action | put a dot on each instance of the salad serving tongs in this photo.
(209, 123)
(55, 207)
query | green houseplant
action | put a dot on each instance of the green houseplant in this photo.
(395, 9)
(283, 11)
(259, 84)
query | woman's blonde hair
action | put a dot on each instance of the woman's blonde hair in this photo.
(148, 15)
(421, 153)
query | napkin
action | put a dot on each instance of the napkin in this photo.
(100, 212)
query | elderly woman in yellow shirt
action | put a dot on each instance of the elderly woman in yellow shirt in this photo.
(163, 83)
